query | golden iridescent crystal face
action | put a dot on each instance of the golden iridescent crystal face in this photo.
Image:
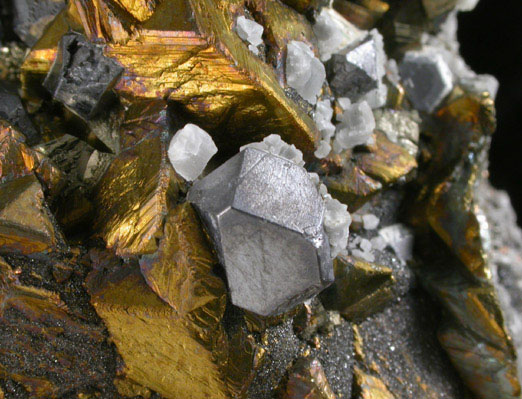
(111, 283)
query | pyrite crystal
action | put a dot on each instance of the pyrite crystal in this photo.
(178, 181)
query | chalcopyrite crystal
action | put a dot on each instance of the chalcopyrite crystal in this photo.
(81, 75)
(304, 72)
(190, 150)
(266, 219)
(240, 199)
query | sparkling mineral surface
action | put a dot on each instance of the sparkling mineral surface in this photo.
(251, 200)
(257, 201)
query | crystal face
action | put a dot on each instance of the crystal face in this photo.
(81, 75)
(177, 178)
(427, 79)
(266, 219)
(304, 72)
(190, 150)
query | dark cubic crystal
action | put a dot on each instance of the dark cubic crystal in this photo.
(81, 75)
(353, 72)
(13, 111)
(32, 16)
(265, 217)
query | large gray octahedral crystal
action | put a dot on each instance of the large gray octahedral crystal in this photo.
(81, 75)
(266, 219)
(353, 72)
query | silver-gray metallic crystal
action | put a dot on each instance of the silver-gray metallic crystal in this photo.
(426, 78)
(354, 72)
(265, 217)
(81, 75)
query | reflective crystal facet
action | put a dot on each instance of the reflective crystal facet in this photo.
(266, 219)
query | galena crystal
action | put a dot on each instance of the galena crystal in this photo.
(81, 75)
(304, 72)
(427, 78)
(266, 219)
(190, 150)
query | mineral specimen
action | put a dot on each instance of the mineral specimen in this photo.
(427, 79)
(81, 75)
(354, 72)
(304, 72)
(190, 150)
(13, 111)
(251, 32)
(143, 257)
(257, 201)
(307, 380)
(32, 17)
(356, 127)
(360, 288)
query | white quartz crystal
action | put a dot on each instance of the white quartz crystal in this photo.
(323, 149)
(304, 72)
(190, 150)
(400, 238)
(370, 221)
(337, 222)
(334, 33)
(323, 114)
(274, 144)
(357, 125)
(250, 31)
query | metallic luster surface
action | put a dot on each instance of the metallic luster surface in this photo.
(205, 67)
(353, 72)
(45, 347)
(132, 197)
(265, 217)
(32, 17)
(151, 337)
(369, 387)
(180, 272)
(26, 223)
(81, 75)
(455, 264)
(360, 288)
(387, 162)
(306, 379)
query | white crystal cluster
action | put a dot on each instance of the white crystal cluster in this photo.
(190, 150)
(323, 115)
(251, 32)
(337, 219)
(304, 72)
(356, 125)
(398, 237)
(274, 144)
(334, 33)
